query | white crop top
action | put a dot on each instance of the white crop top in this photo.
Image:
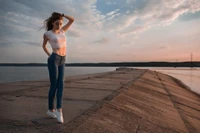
(56, 40)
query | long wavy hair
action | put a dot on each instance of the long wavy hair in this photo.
(48, 22)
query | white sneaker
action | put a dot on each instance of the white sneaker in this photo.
(59, 116)
(52, 114)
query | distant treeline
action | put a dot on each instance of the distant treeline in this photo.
(116, 64)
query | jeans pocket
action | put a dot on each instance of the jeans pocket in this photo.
(57, 60)
(63, 61)
(51, 59)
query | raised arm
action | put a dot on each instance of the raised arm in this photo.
(71, 20)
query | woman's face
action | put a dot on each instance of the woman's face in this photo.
(57, 24)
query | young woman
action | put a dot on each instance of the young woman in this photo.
(55, 35)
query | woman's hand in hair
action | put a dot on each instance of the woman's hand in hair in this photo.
(71, 20)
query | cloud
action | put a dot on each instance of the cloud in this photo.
(151, 13)
(74, 33)
(189, 16)
(31, 43)
(112, 12)
(102, 41)
(163, 47)
(22, 19)
(122, 16)
(109, 2)
(133, 31)
(117, 23)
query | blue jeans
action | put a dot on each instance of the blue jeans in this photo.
(56, 68)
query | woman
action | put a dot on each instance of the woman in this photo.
(55, 35)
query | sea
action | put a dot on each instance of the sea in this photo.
(189, 76)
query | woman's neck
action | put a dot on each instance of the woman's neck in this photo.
(56, 31)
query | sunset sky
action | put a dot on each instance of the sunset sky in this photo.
(103, 30)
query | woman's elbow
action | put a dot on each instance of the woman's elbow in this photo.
(44, 46)
(72, 20)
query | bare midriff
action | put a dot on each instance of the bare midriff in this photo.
(60, 51)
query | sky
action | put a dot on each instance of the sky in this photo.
(103, 30)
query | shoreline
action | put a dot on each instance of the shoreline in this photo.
(178, 81)
(117, 64)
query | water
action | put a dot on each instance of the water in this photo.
(189, 76)
(13, 74)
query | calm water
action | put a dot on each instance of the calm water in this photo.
(190, 77)
(12, 74)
